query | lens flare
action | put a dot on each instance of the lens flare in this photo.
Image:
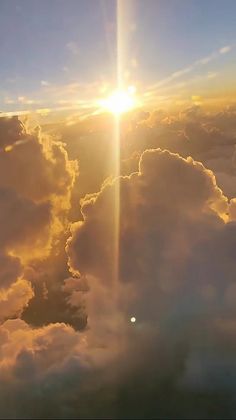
(120, 101)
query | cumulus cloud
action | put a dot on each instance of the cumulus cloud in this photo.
(163, 180)
(176, 274)
(15, 291)
(167, 258)
(207, 137)
(43, 163)
(33, 363)
(36, 180)
(14, 299)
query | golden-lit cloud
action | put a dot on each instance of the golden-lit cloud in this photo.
(172, 308)
(33, 208)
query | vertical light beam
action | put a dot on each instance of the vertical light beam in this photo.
(119, 86)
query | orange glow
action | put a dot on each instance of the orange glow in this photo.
(120, 101)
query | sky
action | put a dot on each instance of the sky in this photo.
(117, 209)
(51, 46)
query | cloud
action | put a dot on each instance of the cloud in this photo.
(171, 264)
(36, 180)
(162, 180)
(15, 292)
(207, 137)
(177, 254)
(21, 218)
(14, 299)
(225, 50)
(176, 276)
(44, 83)
(23, 225)
(72, 47)
(10, 269)
(31, 153)
(37, 361)
(46, 175)
(10, 131)
(186, 70)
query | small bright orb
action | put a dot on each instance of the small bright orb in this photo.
(133, 319)
(120, 101)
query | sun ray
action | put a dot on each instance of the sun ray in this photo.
(119, 83)
(120, 101)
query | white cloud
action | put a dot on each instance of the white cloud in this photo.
(72, 47)
(225, 50)
(44, 83)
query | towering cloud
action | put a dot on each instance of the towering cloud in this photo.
(176, 276)
(36, 179)
(168, 200)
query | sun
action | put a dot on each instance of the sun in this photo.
(120, 101)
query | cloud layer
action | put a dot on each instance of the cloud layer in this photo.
(158, 244)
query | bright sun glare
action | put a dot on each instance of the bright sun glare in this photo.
(120, 101)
